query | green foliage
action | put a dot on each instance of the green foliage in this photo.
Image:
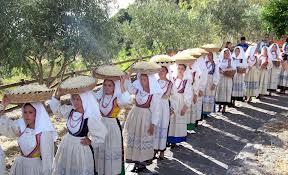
(41, 36)
(275, 15)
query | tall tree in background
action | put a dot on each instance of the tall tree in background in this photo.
(275, 15)
(43, 37)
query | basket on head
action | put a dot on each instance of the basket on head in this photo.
(184, 58)
(192, 52)
(162, 60)
(211, 48)
(199, 50)
(78, 84)
(29, 93)
(110, 72)
(144, 67)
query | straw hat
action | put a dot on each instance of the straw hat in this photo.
(78, 84)
(184, 58)
(144, 67)
(162, 60)
(211, 47)
(111, 72)
(29, 93)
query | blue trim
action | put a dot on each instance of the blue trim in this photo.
(174, 140)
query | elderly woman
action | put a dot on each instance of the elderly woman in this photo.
(85, 132)
(142, 121)
(240, 61)
(35, 135)
(112, 96)
(227, 70)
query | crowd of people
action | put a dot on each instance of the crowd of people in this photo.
(169, 99)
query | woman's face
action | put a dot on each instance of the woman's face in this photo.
(210, 56)
(108, 87)
(226, 54)
(144, 81)
(76, 101)
(163, 72)
(29, 114)
(181, 69)
(237, 52)
(274, 48)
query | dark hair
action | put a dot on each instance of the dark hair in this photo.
(28, 104)
(287, 39)
(165, 68)
(242, 38)
(183, 65)
(109, 80)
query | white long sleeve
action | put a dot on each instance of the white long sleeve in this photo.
(188, 93)
(216, 75)
(154, 108)
(123, 99)
(61, 111)
(97, 131)
(8, 127)
(47, 152)
(130, 88)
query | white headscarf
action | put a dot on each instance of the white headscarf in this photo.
(90, 105)
(154, 86)
(42, 121)
(268, 54)
(277, 51)
(240, 56)
(224, 63)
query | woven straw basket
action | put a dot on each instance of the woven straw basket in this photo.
(78, 90)
(30, 97)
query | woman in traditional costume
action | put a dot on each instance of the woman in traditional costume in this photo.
(252, 75)
(112, 96)
(181, 99)
(199, 83)
(240, 62)
(143, 117)
(212, 83)
(161, 130)
(227, 70)
(85, 129)
(265, 63)
(274, 72)
(35, 135)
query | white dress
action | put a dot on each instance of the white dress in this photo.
(181, 95)
(161, 130)
(138, 144)
(108, 157)
(252, 78)
(224, 89)
(283, 81)
(274, 74)
(209, 95)
(32, 146)
(239, 88)
(73, 158)
(264, 75)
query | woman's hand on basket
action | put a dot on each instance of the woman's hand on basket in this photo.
(5, 101)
